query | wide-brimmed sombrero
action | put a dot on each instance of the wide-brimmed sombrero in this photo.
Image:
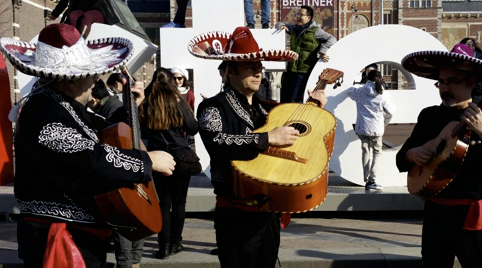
(428, 63)
(239, 46)
(62, 53)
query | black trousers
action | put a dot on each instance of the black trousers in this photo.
(32, 240)
(293, 87)
(247, 239)
(172, 191)
(443, 238)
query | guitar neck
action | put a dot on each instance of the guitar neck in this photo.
(133, 115)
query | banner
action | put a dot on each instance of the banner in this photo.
(324, 11)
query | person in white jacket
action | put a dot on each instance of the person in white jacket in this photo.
(374, 111)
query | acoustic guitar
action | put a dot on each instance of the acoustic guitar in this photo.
(449, 149)
(294, 178)
(132, 211)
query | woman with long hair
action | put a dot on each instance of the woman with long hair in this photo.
(165, 119)
(374, 111)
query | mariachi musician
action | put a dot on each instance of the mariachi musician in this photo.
(60, 163)
(452, 224)
(246, 236)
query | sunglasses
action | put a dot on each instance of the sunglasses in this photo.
(178, 78)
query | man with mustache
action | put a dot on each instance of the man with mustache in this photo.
(310, 42)
(452, 225)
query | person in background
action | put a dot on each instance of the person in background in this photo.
(164, 118)
(102, 102)
(265, 13)
(474, 45)
(374, 111)
(60, 163)
(311, 43)
(181, 78)
(180, 17)
(115, 84)
(452, 222)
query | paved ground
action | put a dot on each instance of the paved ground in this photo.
(328, 240)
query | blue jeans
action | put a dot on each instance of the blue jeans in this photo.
(265, 11)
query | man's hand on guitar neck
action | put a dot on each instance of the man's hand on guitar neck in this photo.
(162, 162)
(137, 90)
(419, 155)
(282, 136)
(319, 95)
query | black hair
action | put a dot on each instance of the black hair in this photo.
(309, 10)
(376, 77)
(113, 78)
(99, 91)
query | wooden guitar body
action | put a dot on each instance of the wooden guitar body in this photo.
(133, 211)
(449, 153)
(295, 178)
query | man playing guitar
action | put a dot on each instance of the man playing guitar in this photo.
(60, 163)
(452, 216)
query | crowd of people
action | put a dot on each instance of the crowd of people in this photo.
(62, 165)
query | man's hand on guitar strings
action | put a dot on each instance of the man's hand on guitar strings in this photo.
(137, 90)
(473, 118)
(162, 162)
(419, 155)
(282, 136)
(319, 95)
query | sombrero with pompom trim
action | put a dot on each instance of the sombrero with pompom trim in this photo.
(62, 53)
(238, 46)
(428, 63)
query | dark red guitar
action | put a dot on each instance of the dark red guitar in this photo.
(134, 208)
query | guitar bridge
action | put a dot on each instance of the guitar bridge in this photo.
(142, 193)
(276, 152)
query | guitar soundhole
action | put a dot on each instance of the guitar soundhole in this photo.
(303, 127)
(441, 146)
(309, 196)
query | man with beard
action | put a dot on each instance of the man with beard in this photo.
(452, 224)
(310, 42)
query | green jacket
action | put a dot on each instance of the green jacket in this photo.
(307, 44)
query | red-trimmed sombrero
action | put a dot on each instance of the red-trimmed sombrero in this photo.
(428, 63)
(62, 53)
(239, 46)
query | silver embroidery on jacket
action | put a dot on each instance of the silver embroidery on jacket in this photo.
(58, 97)
(210, 120)
(121, 160)
(236, 139)
(238, 108)
(56, 210)
(63, 139)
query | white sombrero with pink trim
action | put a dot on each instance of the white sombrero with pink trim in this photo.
(62, 53)
(239, 46)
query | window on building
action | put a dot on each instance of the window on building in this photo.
(420, 4)
(387, 70)
(387, 18)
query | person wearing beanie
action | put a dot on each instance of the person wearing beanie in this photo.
(181, 78)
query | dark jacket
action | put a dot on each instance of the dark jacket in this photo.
(430, 122)
(175, 137)
(61, 165)
(226, 122)
(84, 5)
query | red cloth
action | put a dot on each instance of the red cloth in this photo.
(473, 221)
(285, 220)
(61, 250)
